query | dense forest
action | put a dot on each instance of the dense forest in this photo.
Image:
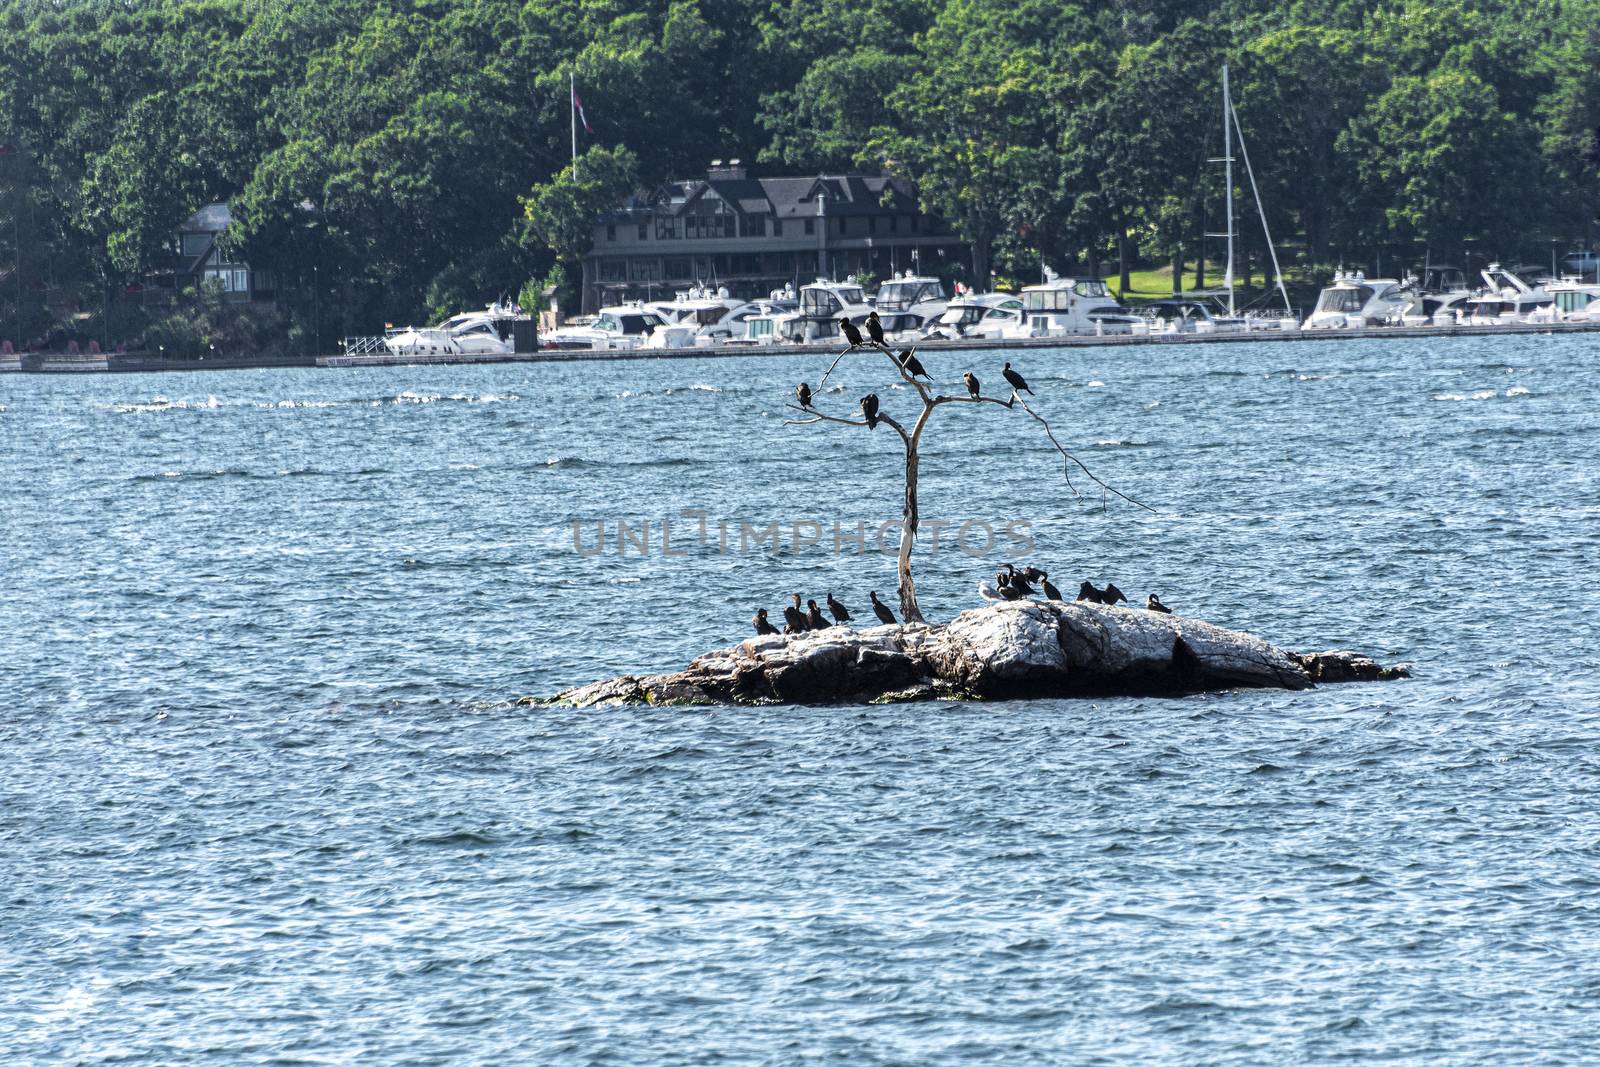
(394, 159)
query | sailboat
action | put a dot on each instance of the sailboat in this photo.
(1251, 319)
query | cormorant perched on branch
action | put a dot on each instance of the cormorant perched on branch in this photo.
(763, 627)
(1153, 603)
(913, 365)
(1017, 381)
(875, 330)
(802, 393)
(851, 334)
(1050, 591)
(972, 384)
(881, 610)
(869, 408)
(814, 617)
(840, 614)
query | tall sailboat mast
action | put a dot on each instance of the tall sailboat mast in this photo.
(1227, 159)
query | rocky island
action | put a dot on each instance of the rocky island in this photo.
(1021, 649)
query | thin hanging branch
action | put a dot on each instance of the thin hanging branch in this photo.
(1069, 456)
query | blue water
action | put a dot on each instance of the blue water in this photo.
(267, 796)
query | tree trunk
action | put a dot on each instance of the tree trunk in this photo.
(909, 612)
(1177, 270)
(1125, 282)
(1200, 270)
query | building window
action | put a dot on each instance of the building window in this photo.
(810, 227)
(196, 243)
(915, 220)
(644, 231)
(611, 232)
(894, 223)
(613, 270)
(677, 267)
(668, 229)
(644, 270)
(777, 227)
(872, 224)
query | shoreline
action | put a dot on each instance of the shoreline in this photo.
(129, 363)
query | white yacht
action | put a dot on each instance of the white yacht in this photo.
(977, 315)
(1064, 307)
(765, 322)
(1572, 300)
(1505, 299)
(824, 303)
(1354, 302)
(619, 326)
(486, 332)
(1189, 313)
(1438, 298)
(909, 302)
(690, 318)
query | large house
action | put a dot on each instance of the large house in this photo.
(201, 259)
(754, 235)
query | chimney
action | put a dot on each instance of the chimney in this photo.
(733, 170)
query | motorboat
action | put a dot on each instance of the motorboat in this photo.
(823, 303)
(1188, 314)
(1438, 298)
(1572, 300)
(690, 318)
(1505, 299)
(909, 302)
(977, 315)
(1354, 302)
(618, 326)
(766, 323)
(1063, 307)
(1582, 262)
(487, 332)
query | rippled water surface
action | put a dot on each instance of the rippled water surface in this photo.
(267, 796)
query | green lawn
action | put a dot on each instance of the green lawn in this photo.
(1157, 283)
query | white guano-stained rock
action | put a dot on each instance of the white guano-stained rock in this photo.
(1025, 648)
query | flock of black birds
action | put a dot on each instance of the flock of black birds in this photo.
(798, 620)
(907, 359)
(1010, 584)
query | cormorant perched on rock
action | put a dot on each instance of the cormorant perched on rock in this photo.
(1017, 581)
(1050, 591)
(1153, 603)
(1086, 591)
(1009, 591)
(869, 408)
(794, 618)
(972, 384)
(1017, 381)
(875, 330)
(1111, 594)
(763, 627)
(802, 393)
(840, 614)
(814, 617)
(851, 333)
(881, 610)
(913, 365)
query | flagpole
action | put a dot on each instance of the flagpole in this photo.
(572, 106)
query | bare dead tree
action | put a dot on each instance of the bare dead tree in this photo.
(912, 440)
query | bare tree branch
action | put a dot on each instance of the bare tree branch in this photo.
(1069, 456)
(818, 416)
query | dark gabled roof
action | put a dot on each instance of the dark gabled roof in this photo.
(848, 194)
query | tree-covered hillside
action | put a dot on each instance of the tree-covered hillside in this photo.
(390, 159)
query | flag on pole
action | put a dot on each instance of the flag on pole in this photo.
(577, 102)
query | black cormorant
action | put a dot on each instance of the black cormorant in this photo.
(875, 330)
(851, 333)
(1050, 591)
(814, 617)
(802, 393)
(972, 384)
(793, 621)
(881, 610)
(1017, 580)
(1087, 592)
(1034, 574)
(913, 365)
(761, 624)
(840, 613)
(1017, 381)
(1111, 594)
(869, 408)
(1153, 603)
